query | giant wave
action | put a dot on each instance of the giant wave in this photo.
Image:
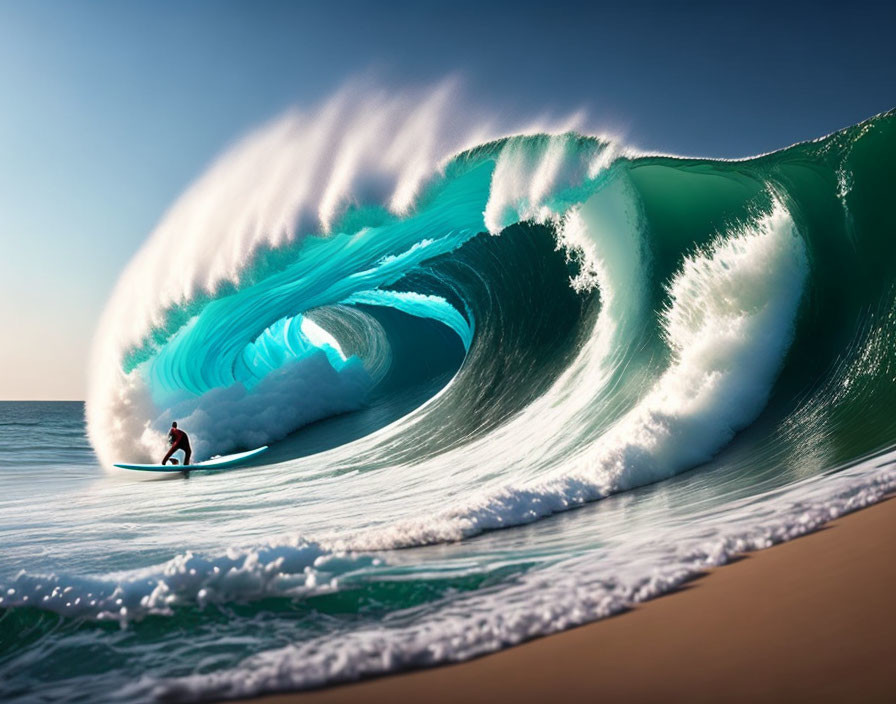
(693, 292)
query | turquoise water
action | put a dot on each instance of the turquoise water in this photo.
(547, 379)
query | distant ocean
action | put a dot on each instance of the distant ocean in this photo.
(554, 378)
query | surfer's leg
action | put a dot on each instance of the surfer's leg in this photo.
(168, 454)
(188, 453)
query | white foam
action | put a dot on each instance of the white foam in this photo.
(526, 176)
(297, 393)
(289, 568)
(545, 601)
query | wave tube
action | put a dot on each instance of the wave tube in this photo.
(303, 214)
(621, 317)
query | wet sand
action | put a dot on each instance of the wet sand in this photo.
(813, 619)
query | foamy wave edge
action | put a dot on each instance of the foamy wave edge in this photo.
(568, 594)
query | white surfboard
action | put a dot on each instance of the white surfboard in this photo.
(219, 462)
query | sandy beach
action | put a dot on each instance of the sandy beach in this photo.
(809, 620)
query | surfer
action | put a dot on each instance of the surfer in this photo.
(179, 441)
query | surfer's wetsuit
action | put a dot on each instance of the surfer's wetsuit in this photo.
(179, 441)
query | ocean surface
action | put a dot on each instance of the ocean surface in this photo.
(509, 388)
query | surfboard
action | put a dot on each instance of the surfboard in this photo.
(215, 463)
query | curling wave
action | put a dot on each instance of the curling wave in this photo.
(662, 336)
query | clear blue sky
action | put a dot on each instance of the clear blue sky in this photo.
(109, 109)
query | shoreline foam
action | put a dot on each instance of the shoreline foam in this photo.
(809, 619)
